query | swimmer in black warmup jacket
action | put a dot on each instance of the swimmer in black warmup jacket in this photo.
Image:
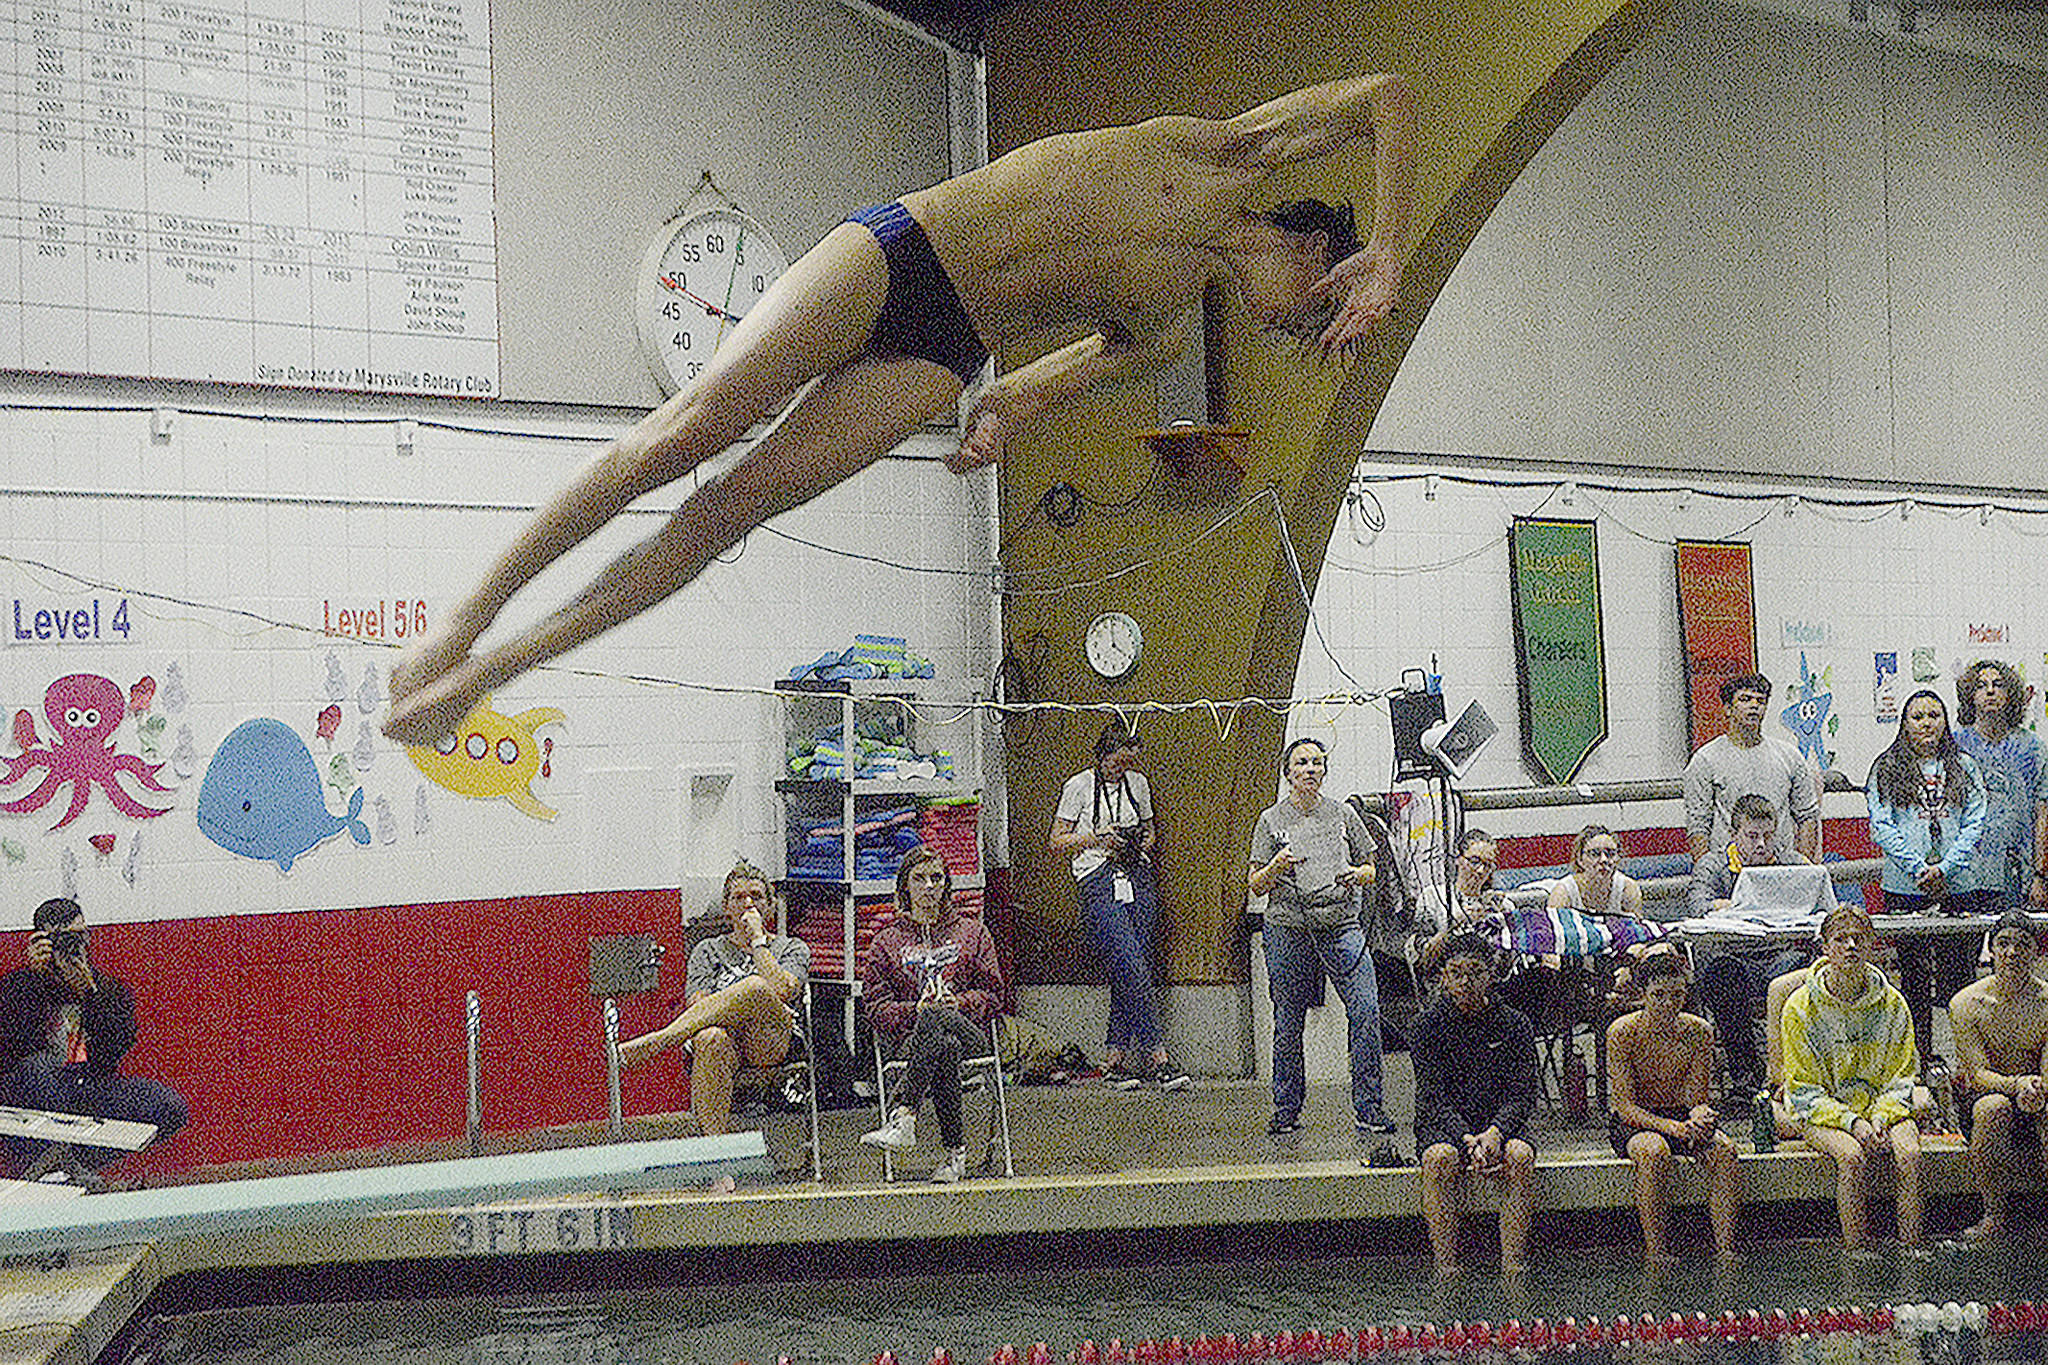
(893, 313)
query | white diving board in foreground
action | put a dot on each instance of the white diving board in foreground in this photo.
(184, 1210)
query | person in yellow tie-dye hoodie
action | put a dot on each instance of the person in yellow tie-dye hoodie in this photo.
(1850, 1063)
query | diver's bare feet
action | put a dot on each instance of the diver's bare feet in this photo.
(421, 715)
(429, 658)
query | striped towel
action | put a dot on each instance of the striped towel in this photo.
(1564, 932)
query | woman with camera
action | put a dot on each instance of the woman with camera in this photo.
(1104, 822)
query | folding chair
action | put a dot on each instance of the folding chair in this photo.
(794, 1078)
(986, 1071)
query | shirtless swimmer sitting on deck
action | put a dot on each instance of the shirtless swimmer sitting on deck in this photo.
(1116, 229)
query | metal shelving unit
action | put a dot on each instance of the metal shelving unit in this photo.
(897, 708)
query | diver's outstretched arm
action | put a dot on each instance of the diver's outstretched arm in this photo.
(1320, 120)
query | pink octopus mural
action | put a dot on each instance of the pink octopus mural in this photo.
(83, 709)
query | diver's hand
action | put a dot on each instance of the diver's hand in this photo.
(1367, 285)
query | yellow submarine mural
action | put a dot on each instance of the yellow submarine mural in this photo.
(491, 755)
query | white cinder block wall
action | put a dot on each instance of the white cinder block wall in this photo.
(236, 539)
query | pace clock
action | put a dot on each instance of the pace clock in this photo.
(701, 274)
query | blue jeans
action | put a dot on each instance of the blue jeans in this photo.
(1297, 961)
(1125, 934)
(1731, 985)
(40, 1084)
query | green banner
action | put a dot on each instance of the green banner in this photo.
(1554, 570)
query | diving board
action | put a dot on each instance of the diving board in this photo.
(183, 1210)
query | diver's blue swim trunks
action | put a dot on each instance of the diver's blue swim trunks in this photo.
(921, 317)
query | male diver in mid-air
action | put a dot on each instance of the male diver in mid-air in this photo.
(1116, 229)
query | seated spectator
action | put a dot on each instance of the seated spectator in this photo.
(2001, 1029)
(1779, 991)
(1598, 886)
(1849, 1069)
(738, 1001)
(1732, 980)
(1659, 1067)
(67, 1024)
(1469, 898)
(1927, 806)
(1475, 1090)
(931, 983)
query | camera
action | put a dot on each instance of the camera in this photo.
(1133, 851)
(68, 943)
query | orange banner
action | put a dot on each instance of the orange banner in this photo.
(1717, 619)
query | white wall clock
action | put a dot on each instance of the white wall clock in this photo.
(701, 274)
(1113, 644)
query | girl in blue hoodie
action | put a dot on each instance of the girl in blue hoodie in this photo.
(1927, 814)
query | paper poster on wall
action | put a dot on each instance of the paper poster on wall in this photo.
(1554, 577)
(1717, 622)
(248, 192)
(1810, 717)
(84, 710)
(492, 756)
(1801, 632)
(1884, 691)
(1925, 670)
(1982, 637)
(261, 797)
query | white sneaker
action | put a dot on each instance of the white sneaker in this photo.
(952, 1168)
(899, 1134)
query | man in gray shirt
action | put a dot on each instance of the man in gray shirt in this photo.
(1743, 761)
(1733, 980)
(738, 1001)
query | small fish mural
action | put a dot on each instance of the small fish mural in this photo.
(261, 797)
(491, 756)
(174, 689)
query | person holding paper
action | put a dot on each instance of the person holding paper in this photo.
(1310, 855)
(1732, 981)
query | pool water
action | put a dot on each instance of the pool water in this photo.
(973, 1313)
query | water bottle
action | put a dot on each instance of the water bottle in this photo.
(1938, 1083)
(1763, 1123)
(1577, 1099)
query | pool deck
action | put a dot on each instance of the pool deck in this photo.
(1100, 1174)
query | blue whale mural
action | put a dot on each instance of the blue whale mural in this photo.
(261, 797)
